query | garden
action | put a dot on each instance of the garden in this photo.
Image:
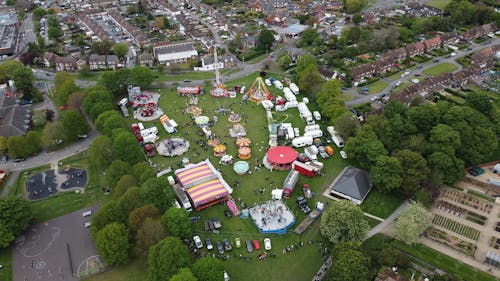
(451, 241)
(440, 69)
(456, 227)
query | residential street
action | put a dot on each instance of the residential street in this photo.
(359, 99)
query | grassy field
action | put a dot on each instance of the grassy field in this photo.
(461, 271)
(401, 86)
(92, 76)
(440, 69)
(136, 270)
(6, 261)
(380, 204)
(377, 86)
(300, 264)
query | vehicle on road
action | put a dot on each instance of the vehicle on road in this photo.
(87, 213)
(374, 98)
(267, 244)
(197, 242)
(17, 160)
(87, 224)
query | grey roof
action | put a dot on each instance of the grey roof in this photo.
(353, 182)
(14, 119)
(174, 48)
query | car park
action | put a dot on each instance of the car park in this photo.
(227, 245)
(220, 249)
(209, 244)
(237, 242)
(249, 246)
(197, 242)
(267, 244)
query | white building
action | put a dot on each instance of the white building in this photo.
(175, 53)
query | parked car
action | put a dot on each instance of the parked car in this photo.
(227, 245)
(220, 249)
(197, 242)
(249, 246)
(87, 224)
(237, 242)
(256, 245)
(5, 158)
(267, 244)
(210, 246)
(343, 154)
(17, 160)
(87, 213)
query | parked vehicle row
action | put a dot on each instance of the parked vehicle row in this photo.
(226, 246)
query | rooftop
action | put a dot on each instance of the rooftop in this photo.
(352, 182)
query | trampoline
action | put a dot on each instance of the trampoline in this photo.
(241, 167)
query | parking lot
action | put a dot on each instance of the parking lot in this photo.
(59, 249)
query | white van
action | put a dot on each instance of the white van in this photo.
(87, 213)
(317, 115)
(278, 84)
(268, 82)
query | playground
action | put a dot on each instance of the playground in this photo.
(58, 249)
(47, 183)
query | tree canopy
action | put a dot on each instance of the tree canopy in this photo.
(113, 243)
(343, 222)
(100, 152)
(386, 174)
(208, 269)
(184, 274)
(166, 257)
(176, 220)
(16, 216)
(74, 125)
(265, 40)
(349, 265)
(411, 223)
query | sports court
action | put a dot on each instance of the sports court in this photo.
(59, 249)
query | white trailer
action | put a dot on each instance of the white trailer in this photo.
(314, 134)
(289, 96)
(150, 138)
(311, 152)
(335, 137)
(302, 141)
(311, 128)
(278, 84)
(149, 131)
(290, 104)
(294, 88)
(304, 110)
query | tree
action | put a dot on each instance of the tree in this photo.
(139, 215)
(102, 47)
(357, 18)
(3, 145)
(16, 216)
(479, 102)
(142, 171)
(113, 243)
(75, 101)
(74, 125)
(310, 79)
(53, 134)
(329, 100)
(120, 49)
(64, 86)
(116, 82)
(33, 142)
(23, 80)
(347, 125)
(150, 233)
(444, 139)
(349, 265)
(310, 37)
(54, 30)
(141, 76)
(176, 221)
(411, 223)
(165, 258)
(445, 168)
(284, 61)
(344, 222)
(424, 117)
(184, 274)
(97, 101)
(208, 269)
(125, 148)
(108, 121)
(107, 214)
(353, 6)
(125, 182)
(386, 174)
(158, 193)
(115, 171)
(304, 61)
(16, 147)
(265, 40)
(365, 148)
(100, 153)
(131, 200)
(414, 170)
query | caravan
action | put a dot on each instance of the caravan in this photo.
(335, 137)
(302, 141)
(314, 134)
(294, 88)
(278, 84)
(304, 111)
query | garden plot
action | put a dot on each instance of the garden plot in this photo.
(456, 227)
(461, 212)
(451, 240)
(467, 200)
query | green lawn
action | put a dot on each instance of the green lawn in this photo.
(401, 86)
(192, 75)
(380, 204)
(295, 266)
(457, 268)
(377, 86)
(136, 270)
(6, 261)
(372, 222)
(91, 76)
(440, 69)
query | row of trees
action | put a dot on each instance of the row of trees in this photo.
(16, 216)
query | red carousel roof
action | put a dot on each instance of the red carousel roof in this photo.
(281, 155)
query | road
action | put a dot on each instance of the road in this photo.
(360, 99)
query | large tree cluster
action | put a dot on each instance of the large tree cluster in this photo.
(406, 147)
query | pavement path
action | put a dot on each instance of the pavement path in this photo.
(12, 178)
(388, 220)
(359, 99)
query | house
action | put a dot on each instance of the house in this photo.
(14, 119)
(67, 63)
(146, 59)
(383, 65)
(432, 43)
(256, 7)
(208, 63)
(97, 62)
(389, 275)
(352, 184)
(396, 55)
(415, 49)
(449, 39)
(360, 72)
(112, 62)
(168, 54)
(48, 58)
